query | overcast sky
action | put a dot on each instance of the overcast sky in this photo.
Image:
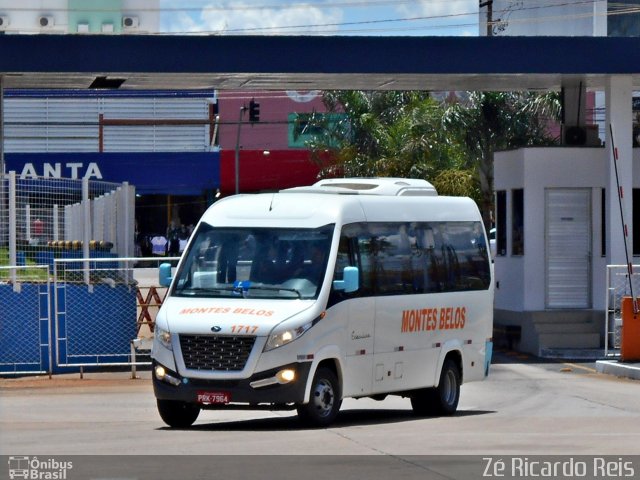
(328, 17)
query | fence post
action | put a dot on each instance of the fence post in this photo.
(56, 309)
(129, 199)
(607, 309)
(27, 222)
(50, 334)
(86, 227)
(3, 227)
(56, 223)
(12, 224)
(133, 359)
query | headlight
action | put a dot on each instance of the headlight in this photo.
(164, 337)
(283, 337)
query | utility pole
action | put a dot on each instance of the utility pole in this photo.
(489, 5)
(242, 110)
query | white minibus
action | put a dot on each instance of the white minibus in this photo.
(347, 288)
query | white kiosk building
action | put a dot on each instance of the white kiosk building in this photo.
(559, 225)
(556, 209)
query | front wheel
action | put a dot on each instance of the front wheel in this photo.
(178, 414)
(324, 402)
(443, 399)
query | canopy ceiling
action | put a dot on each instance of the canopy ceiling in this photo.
(308, 63)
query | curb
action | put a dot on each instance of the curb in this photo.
(612, 367)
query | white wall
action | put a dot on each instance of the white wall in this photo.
(148, 13)
(522, 278)
(548, 17)
(24, 14)
(509, 270)
(25, 133)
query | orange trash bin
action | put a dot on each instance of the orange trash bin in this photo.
(630, 336)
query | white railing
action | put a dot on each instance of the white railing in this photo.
(90, 312)
(618, 286)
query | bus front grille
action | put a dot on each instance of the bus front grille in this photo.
(216, 352)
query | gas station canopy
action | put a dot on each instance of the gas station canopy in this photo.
(308, 63)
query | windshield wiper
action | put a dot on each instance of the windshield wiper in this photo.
(194, 290)
(246, 285)
(236, 289)
(276, 289)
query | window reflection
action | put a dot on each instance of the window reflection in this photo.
(405, 258)
(255, 262)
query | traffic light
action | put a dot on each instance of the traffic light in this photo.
(254, 111)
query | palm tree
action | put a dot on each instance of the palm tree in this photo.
(409, 134)
(490, 121)
(381, 134)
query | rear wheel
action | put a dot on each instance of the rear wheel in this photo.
(178, 414)
(325, 400)
(443, 399)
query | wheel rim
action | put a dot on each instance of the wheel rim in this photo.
(449, 388)
(323, 397)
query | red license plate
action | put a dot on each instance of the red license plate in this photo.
(214, 398)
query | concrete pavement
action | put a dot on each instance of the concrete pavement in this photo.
(610, 365)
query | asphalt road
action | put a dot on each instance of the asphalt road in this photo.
(524, 408)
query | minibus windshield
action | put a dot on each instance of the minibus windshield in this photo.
(247, 262)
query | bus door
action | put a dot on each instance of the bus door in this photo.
(405, 316)
(359, 346)
(358, 311)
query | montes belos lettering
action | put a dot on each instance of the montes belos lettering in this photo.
(429, 319)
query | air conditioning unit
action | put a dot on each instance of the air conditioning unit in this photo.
(83, 28)
(130, 22)
(4, 22)
(583, 135)
(575, 135)
(46, 21)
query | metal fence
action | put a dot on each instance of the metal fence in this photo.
(617, 287)
(85, 312)
(25, 320)
(42, 218)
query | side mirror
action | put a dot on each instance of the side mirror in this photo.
(164, 274)
(350, 280)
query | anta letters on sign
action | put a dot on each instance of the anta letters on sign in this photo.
(59, 170)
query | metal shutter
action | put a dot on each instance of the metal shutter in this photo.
(568, 248)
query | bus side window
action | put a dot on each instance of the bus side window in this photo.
(472, 256)
(426, 275)
(410, 272)
(347, 257)
(344, 258)
(438, 266)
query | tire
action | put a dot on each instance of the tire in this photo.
(443, 399)
(423, 401)
(324, 401)
(178, 414)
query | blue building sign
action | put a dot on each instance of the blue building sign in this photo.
(176, 173)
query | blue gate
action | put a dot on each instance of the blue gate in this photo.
(83, 316)
(95, 312)
(25, 320)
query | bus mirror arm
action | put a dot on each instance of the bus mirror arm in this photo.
(350, 280)
(164, 274)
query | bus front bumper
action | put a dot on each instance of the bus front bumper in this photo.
(270, 387)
